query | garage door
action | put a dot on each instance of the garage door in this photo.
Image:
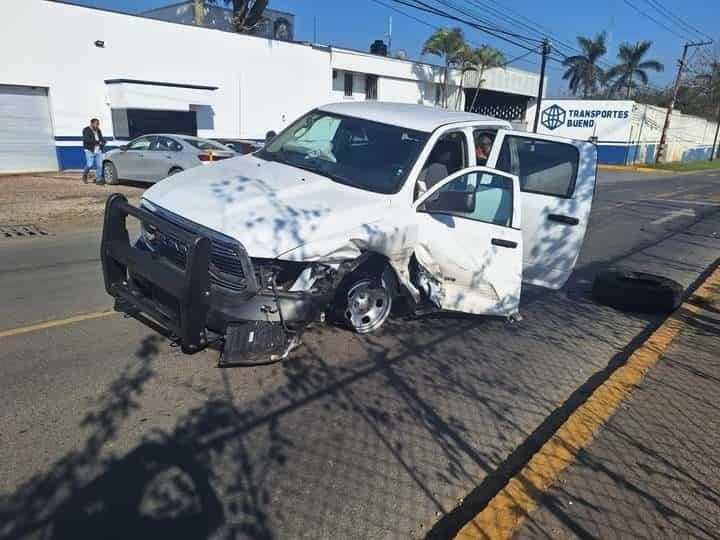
(27, 142)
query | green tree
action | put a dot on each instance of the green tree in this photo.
(246, 13)
(465, 62)
(583, 70)
(484, 58)
(632, 66)
(450, 46)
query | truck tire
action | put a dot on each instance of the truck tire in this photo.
(637, 292)
(364, 302)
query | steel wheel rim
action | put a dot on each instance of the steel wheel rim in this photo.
(367, 306)
(108, 171)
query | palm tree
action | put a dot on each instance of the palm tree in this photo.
(632, 66)
(448, 44)
(466, 63)
(484, 58)
(583, 71)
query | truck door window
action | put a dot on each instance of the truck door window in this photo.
(449, 155)
(483, 140)
(493, 201)
(544, 167)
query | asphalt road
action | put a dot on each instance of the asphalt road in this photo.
(107, 431)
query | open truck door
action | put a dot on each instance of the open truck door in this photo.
(557, 184)
(469, 242)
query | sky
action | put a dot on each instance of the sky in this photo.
(357, 23)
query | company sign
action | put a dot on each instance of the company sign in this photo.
(580, 119)
(555, 116)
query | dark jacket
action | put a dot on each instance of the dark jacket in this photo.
(89, 139)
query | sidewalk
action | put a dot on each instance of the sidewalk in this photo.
(55, 201)
(653, 470)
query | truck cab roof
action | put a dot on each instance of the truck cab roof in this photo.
(416, 117)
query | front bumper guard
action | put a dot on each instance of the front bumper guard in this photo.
(190, 287)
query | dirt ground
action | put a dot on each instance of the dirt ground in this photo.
(57, 201)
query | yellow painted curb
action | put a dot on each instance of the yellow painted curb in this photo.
(513, 504)
(628, 168)
(52, 324)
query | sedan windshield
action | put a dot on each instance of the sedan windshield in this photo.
(363, 154)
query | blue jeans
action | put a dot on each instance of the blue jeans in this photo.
(94, 160)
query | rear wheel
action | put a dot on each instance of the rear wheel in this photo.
(110, 173)
(367, 304)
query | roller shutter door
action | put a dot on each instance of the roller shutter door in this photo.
(27, 142)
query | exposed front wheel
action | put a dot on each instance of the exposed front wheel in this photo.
(368, 303)
(110, 173)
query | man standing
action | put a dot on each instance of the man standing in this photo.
(93, 144)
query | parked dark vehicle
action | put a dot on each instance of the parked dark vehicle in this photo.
(241, 146)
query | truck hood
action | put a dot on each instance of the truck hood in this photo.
(269, 207)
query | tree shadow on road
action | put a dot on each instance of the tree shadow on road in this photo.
(360, 437)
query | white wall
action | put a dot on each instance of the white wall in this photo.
(629, 132)
(510, 80)
(398, 80)
(261, 84)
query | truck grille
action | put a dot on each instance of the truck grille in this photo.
(226, 268)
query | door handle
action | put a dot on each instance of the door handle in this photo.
(141, 155)
(567, 220)
(503, 243)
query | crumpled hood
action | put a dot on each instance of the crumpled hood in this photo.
(269, 207)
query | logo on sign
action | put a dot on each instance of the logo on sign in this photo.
(553, 117)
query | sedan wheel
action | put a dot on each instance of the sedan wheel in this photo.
(110, 173)
(368, 305)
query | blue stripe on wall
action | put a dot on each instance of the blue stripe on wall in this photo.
(73, 157)
(615, 154)
(75, 138)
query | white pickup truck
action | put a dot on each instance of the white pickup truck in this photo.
(352, 207)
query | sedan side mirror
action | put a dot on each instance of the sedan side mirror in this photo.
(451, 201)
(269, 136)
(124, 147)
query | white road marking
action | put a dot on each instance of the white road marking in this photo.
(674, 214)
(683, 201)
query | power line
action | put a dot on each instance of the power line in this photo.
(657, 4)
(656, 21)
(435, 27)
(520, 20)
(497, 32)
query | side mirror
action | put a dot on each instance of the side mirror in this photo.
(269, 136)
(124, 147)
(451, 201)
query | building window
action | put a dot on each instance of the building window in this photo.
(348, 84)
(371, 85)
(438, 94)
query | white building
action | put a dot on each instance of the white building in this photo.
(627, 132)
(63, 64)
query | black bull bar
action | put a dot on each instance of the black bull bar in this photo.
(189, 287)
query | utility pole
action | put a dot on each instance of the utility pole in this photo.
(715, 149)
(545, 53)
(678, 79)
(390, 36)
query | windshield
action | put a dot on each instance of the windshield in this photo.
(204, 144)
(363, 154)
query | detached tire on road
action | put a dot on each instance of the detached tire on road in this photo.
(637, 292)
